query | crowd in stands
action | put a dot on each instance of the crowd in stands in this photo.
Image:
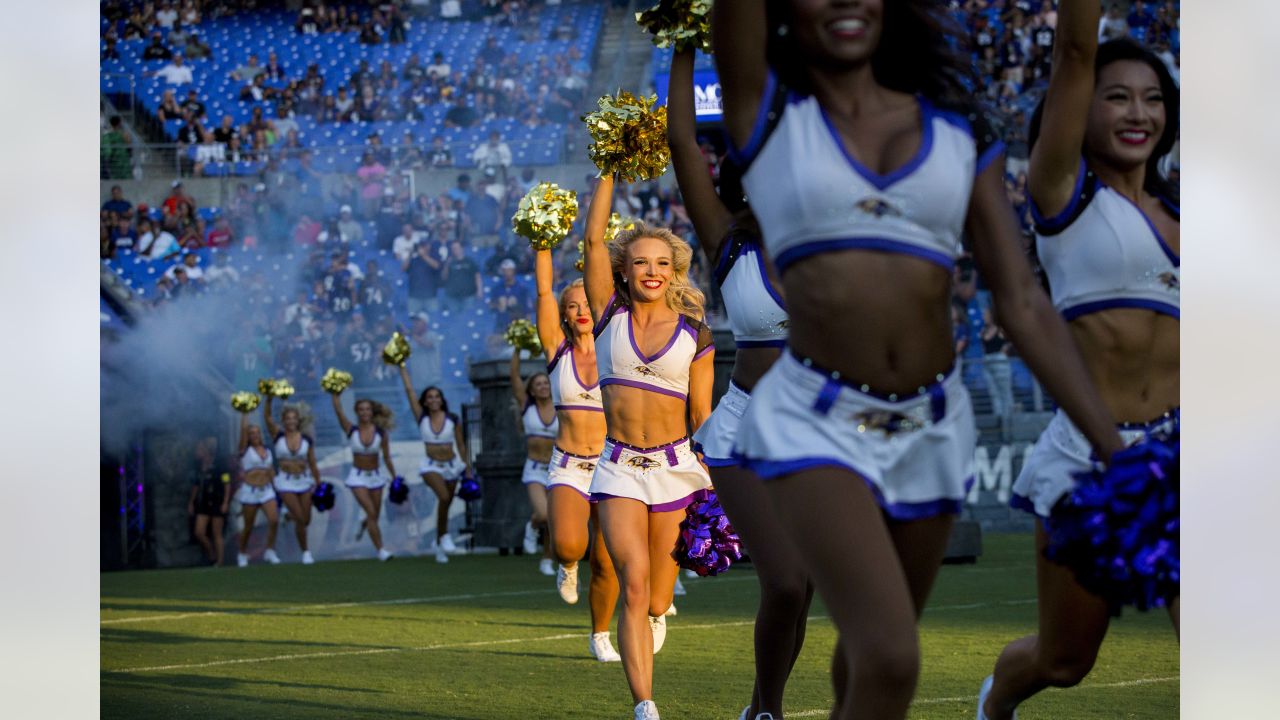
(370, 256)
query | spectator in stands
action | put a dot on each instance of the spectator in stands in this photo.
(117, 206)
(439, 155)
(459, 114)
(193, 104)
(510, 299)
(169, 108)
(196, 49)
(274, 70)
(493, 154)
(367, 105)
(190, 263)
(189, 13)
(424, 360)
(248, 71)
(343, 106)
(120, 236)
(482, 210)
(109, 50)
(371, 175)
(190, 133)
(408, 156)
(176, 72)
(177, 200)
(306, 23)
(177, 36)
(995, 366)
(1114, 24)
(156, 49)
(349, 230)
(423, 272)
(256, 90)
(369, 34)
(221, 235)
(438, 69)
(155, 243)
(166, 15)
(461, 278)
(403, 245)
(208, 151)
(450, 9)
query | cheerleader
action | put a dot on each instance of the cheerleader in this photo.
(534, 397)
(1107, 234)
(655, 359)
(257, 470)
(565, 324)
(447, 457)
(758, 318)
(297, 474)
(865, 162)
(368, 440)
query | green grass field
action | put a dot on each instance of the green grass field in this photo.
(486, 637)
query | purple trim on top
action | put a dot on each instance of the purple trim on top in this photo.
(764, 277)
(555, 359)
(631, 335)
(573, 364)
(643, 386)
(1168, 251)
(588, 408)
(749, 151)
(1055, 224)
(988, 156)
(1076, 311)
(704, 351)
(727, 257)
(611, 308)
(882, 182)
(746, 344)
(813, 247)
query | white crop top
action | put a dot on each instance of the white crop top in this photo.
(359, 448)
(667, 372)
(756, 312)
(251, 460)
(1103, 252)
(533, 425)
(568, 391)
(810, 195)
(282, 451)
(446, 436)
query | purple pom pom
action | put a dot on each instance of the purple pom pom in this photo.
(322, 498)
(707, 543)
(398, 492)
(1118, 529)
(469, 489)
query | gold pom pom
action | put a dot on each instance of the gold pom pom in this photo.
(629, 137)
(335, 381)
(244, 401)
(265, 385)
(522, 335)
(680, 24)
(396, 351)
(282, 388)
(545, 215)
(617, 224)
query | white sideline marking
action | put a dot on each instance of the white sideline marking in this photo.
(974, 697)
(324, 606)
(481, 643)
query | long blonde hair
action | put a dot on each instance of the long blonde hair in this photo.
(565, 327)
(306, 421)
(682, 296)
(383, 418)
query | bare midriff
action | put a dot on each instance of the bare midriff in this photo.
(365, 462)
(258, 477)
(440, 452)
(539, 448)
(1133, 357)
(643, 418)
(293, 467)
(581, 432)
(880, 319)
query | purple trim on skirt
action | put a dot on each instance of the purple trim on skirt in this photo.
(682, 503)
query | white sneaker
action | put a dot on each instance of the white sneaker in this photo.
(271, 556)
(602, 648)
(546, 567)
(659, 627)
(982, 697)
(671, 611)
(679, 589)
(530, 539)
(691, 574)
(446, 543)
(647, 710)
(242, 561)
(441, 556)
(307, 559)
(567, 583)
(384, 554)
(745, 710)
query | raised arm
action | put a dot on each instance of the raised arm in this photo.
(1055, 158)
(386, 452)
(342, 417)
(709, 215)
(408, 392)
(272, 428)
(597, 270)
(1027, 315)
(244, 433)
(739, 35)
(549, 330)
(517, 382)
